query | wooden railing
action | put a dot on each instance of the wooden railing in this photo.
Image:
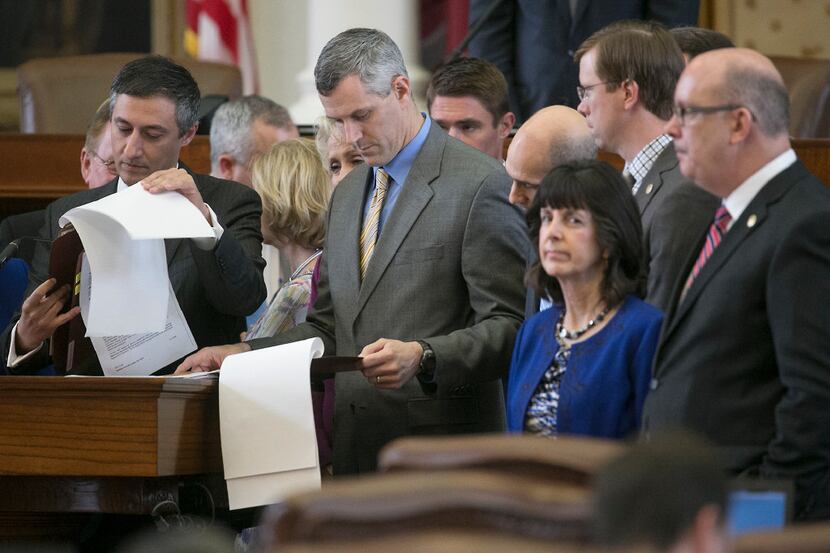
(37, 169)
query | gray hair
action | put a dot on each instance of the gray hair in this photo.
(765, 96)
(230, 129)
(572, 148)
(368, 53)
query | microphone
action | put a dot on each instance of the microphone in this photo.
(13, 249)
(9, 251)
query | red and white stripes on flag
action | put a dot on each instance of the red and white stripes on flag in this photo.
(220, 30)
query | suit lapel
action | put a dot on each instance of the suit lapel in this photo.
(346, 260)
(653, 180)
(172, 245)
(415, 195)
(758, 209)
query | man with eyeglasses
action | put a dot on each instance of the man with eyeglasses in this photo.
(744, 358)
(627, 74)
(97, 169)
(97, 163)
(552, 136)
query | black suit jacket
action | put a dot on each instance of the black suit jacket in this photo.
(744, 358)
(533, 41)
(676, 215)
(18, 226)
(216, 288)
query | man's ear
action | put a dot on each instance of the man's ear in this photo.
(226, 164)
(188, 136)
(741, 124)
(401, 87)
(632, 93)
(506, 124)
(86, 162)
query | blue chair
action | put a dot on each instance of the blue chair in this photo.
(14, 278)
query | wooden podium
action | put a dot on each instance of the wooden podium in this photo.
(75, 446)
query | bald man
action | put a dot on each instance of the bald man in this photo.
(744, 357)
(552, 136)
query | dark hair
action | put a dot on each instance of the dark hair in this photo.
(600, 189)
(694, 41)
(652, 493)
(639, 51)
(160, 76)
(472, 77)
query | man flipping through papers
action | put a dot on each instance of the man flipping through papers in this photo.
(217, 281)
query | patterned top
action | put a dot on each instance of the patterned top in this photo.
(541, 416)
(639, 167)
(289, 306)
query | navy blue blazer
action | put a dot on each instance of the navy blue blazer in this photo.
(603, 390)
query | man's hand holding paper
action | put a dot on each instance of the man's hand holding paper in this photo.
(177, 180)
(210, 359)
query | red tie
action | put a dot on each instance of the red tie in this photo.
(713, 238)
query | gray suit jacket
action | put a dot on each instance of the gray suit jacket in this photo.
(216, 288)
(447, 269)
(676, 214)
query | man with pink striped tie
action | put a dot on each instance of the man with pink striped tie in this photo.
(744, 357)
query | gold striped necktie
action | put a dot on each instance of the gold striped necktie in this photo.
(369, 234)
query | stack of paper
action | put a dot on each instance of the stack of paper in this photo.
(269, 446)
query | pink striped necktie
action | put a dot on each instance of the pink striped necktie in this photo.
(713, 239)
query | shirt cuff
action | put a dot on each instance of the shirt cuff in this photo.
(14, 360)
(210, 243)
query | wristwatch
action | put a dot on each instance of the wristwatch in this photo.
(427, 365)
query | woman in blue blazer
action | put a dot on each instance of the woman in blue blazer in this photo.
(584, 365)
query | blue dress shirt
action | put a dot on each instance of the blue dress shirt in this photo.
(398, 170)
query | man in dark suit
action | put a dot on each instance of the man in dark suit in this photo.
(552, 136)
(217, 280)
(533, 41)
(744, 357)
(433, 309)
(627, 74)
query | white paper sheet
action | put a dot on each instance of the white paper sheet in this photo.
(138, 354)
(269, 447)
(123, 236)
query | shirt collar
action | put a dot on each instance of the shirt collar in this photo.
(740, 198)
(645, 158)
(401, 164)
(123, 185)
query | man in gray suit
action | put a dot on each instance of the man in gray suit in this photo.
(627, 75)
(434, 310)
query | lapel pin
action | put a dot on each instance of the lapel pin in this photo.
(750, 222)
(649, 188)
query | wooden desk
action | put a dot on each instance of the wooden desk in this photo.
(39, 168)
(128, 446)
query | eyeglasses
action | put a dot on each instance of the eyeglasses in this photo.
(525, 185)
(582, 91)
(108, 163)
(682, 112)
